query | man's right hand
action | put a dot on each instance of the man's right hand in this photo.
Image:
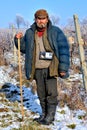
(19, 35)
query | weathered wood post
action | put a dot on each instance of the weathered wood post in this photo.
(20, 76)
(81, 51)
(14, 47)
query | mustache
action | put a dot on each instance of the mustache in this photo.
(41, 25)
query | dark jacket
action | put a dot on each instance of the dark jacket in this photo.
(58, 42)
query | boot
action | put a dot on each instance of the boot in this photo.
(50, 115)
(44, 113)
(40, 118)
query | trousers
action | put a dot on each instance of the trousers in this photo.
(46, 88)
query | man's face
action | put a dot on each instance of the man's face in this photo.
(41, 22)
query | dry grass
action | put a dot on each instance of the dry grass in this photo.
(31, 125)
(72, 97)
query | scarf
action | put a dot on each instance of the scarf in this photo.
(40, 31)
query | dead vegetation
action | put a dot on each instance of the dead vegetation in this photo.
(72, 93)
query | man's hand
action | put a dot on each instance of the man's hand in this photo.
(62, 73)
(19, 35)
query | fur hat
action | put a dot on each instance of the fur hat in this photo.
(41, 14)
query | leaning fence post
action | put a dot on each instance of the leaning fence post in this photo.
(81, 51)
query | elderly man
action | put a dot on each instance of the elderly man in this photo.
(46, 57)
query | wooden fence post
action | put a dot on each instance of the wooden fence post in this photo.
(81, 51)
(14, 47)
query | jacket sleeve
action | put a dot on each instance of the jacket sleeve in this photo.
(64, 54)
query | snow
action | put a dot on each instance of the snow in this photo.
(4, 76)
(63, 117)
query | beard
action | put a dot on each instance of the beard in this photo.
(42, 25)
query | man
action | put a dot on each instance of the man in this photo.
(46, 57)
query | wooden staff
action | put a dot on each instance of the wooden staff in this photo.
(20, 77)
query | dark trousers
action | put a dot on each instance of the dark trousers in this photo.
(46, 88)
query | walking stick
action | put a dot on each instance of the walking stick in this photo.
(20, 77)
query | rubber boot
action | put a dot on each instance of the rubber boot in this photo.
(40, 118)
(50, 115)
(43, 115)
